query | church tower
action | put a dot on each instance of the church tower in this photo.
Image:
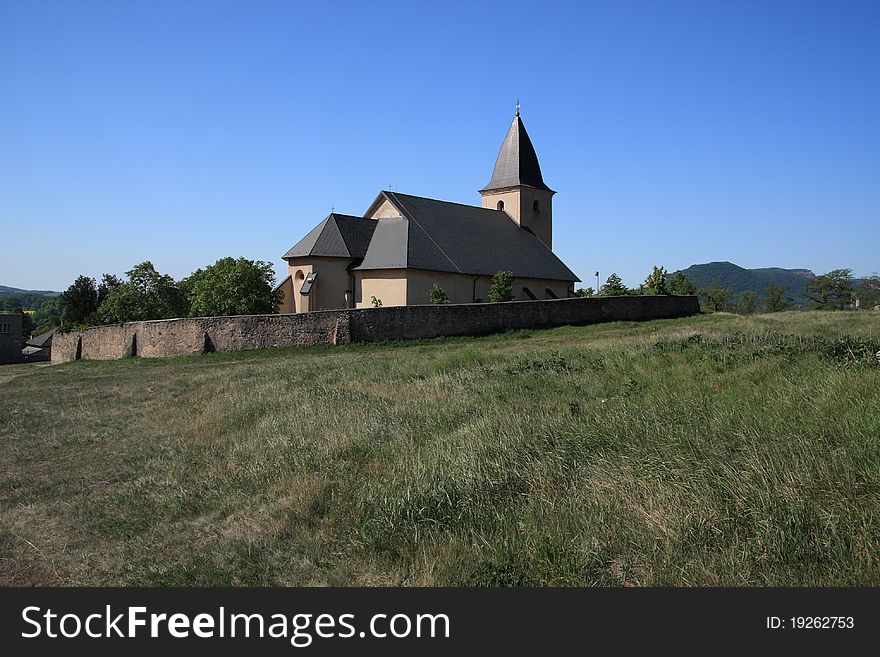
(517, 187)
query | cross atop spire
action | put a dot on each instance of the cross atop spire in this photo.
(517, 106)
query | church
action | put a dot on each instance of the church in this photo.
(403, 245)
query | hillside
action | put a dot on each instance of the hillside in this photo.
(711, 450)
(6, 290)
(14, 297)
(726, 274)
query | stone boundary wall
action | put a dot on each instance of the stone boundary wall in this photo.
(199, 335)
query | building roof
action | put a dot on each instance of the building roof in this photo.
(517, 162)
(451, 237)
(338, 236)
(41, 341)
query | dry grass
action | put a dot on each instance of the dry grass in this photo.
(711, 450)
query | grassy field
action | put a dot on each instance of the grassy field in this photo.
(715, 450)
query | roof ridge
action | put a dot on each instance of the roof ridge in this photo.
(403, 209)
(340, 215)
(440, 200)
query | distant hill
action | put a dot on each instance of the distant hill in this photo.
(14, 297)
(5, 290)
(726, 274)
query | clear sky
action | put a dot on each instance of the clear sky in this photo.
(674, 132)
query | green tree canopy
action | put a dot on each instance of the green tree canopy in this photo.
(79, 302)
(48, 315)
(584, 292)
(146, 294)
(27, 323)
(501, 287)
(109, 282)
(681, 285)
(232, 287)
(831, 290)
(613, 287)
(868, 292)
(438, 295)
(719, 297)
(774, 300)
(748, 303)
(655, 283)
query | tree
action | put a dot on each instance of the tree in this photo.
(109, 282)
(584, 292)
(146, 294)
(773, 299)
(719, 297)
(48, 315)
(655, 283)
(377, 303)
(438, 295)
(79, 302)
(613, 287)
(27, 323)
(681, 285)
(232, 287)
(501, 287)
(831, 290)
(748, 303)
(868, 292)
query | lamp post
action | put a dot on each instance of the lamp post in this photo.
(597, 282)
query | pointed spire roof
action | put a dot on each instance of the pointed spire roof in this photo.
(517, 163)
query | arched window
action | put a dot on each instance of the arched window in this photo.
(535, 207)
(500, 205)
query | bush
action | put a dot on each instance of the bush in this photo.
(438, 295)
(501, 288)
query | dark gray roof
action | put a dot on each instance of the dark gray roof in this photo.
(517, 162)
(451, 237)
(41, 341)
(338, 236)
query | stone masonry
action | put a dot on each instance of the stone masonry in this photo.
(198, 335)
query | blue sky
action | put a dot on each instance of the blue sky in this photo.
(674, 132)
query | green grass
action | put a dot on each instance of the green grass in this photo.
(714, 450)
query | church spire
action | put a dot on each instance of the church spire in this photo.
(517, 187)
(517, 163)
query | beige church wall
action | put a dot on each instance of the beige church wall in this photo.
(538, 287)
(299, 269)
(287, 305)
(541, 222)
(328, 292)
(385, 211)
(461, 288)
(388, 285)
(519, 204)
(510, 199)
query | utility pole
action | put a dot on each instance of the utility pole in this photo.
(597, 282)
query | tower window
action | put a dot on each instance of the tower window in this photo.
(535, 207)
(500, 205)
